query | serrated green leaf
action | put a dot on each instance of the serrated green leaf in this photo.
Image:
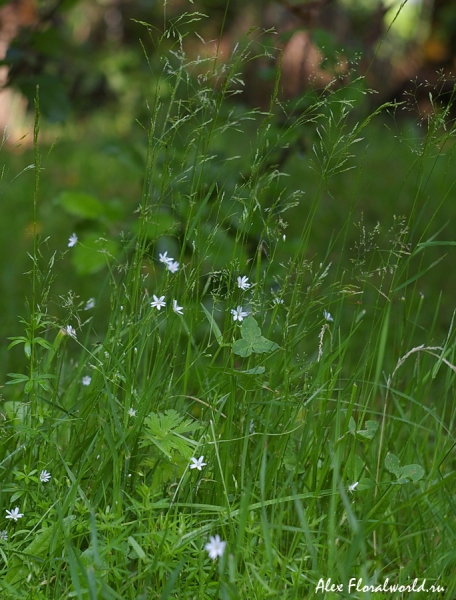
(166, 431)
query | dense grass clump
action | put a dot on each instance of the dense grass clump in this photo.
(258, 397)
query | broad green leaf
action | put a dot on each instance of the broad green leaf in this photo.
(365, 483)
(242, 348)
(370, 431)
(81, 205)
(252, 340)
(18, 568)
(92, 253)
(392, 464)
(250, 330)
(254, 371)
(261, 345)
(412, 472)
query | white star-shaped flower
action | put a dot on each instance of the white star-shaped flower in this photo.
(131, 412)
(89, 304)
(277, 300)
(71, 331)
(14, 514)
(238, 313)
(86, 380)
(177, 309)
(4, 535)
(327, 315)
(353, 486)
(215, 547)
(242, 283)
(72, 240)
(164, 258)
(45, 476)
(172, 266)
(197, 463)
(158, 302)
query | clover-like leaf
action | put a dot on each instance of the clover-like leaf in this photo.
(252, 340)
(392, 464)
(369, 432)
(404, 474)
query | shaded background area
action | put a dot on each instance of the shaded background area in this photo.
(84, 53)
(97, 65)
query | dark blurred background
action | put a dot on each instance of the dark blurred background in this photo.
(84, 53)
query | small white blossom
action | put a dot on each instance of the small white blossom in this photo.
(72, 240)
(158, 302)
(86, 380)
(131, 412)
(71, 331)
(89, 304)
(238, 314)
(164, 258)
(197, 463)
(277, 300)
(215, 547)
(172, 266)
(327, 315)
(45, 476)
(176, 308)
(242, 283)
(4, 535)
(353, 486)
(14, 514)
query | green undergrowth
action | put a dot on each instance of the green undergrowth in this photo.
(231, 376)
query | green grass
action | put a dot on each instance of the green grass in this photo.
(328, 438)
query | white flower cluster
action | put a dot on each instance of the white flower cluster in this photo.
(171, 264)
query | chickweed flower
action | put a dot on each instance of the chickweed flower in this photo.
(242, 283)
(4, 535)
(164, 258)
(173, 266)
(71, 331)
(215, 547)
(89, 304)
(197, 463)
(131, 412)
(45, 476)
(327, 315)
(86, 380)
(177, 309)
(14, 514)
(238, 313)
(72, 240)
(158, 302)
(353, 486)
(277, 300)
